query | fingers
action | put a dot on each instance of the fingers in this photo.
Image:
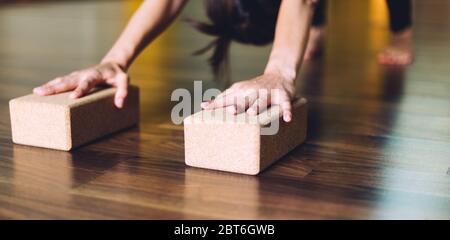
(258, 106)
(221, 101)
(386, 58)
(286, 110)
(55, 86)
(235, 101)
(395, 58)
(245, 100)
(253, 97)
(85, 85)
(82, 89)
(283, 99)
(252, 102)
(82, 82)
(206, 105)
(232, 109)
(122, 90)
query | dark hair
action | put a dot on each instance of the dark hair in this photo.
(244, 21)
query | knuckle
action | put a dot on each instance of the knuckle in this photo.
(83, 77)
(91, 73)
(58, 80)
(122, 75)
(251, 92)
(236, 85)
(83, 86)
(238, 93)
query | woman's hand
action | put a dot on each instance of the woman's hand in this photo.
(255, 95)
(147, 23)
(276, 86)
(81, 82)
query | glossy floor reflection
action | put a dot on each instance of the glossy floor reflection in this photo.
(378, 143)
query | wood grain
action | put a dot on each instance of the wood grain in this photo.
(378, 144)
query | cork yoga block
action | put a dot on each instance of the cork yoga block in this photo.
(216, 139)
(61, 123)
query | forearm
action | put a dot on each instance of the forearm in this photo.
(152, 18)
(291, 37)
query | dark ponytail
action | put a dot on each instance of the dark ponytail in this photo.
(244, 21)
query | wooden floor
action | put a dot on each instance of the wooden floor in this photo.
(378, 145)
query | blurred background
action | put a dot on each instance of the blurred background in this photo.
(384, 131)
(40, 40)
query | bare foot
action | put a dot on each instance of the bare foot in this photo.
(315, 43)
(399, 51)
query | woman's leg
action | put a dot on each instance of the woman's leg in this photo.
(317, 32)
(400, 50)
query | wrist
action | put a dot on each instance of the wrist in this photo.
(288, 74)
(281, 65)
(122, 58)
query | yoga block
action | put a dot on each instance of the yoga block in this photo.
(62, 123)
(216, 139)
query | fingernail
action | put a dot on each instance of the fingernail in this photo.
(37, 90)
(287, 118)
(119, 103)
(73, 95)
